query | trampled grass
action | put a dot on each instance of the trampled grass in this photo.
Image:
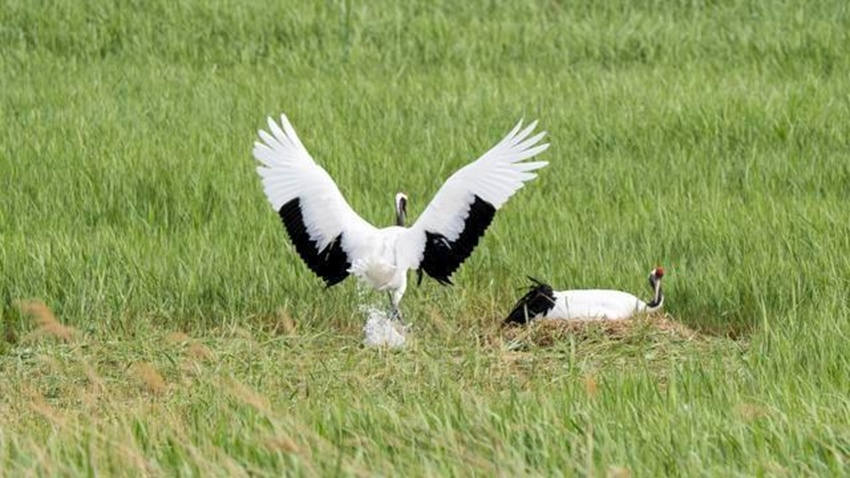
(180, 334)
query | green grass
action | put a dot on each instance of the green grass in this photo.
(709, 137)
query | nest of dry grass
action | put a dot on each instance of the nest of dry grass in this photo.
(546, 333)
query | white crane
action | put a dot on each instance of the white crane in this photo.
(334, 241)
(542, 301)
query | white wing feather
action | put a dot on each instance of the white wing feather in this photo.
(288, 172)
(494, 177)
(595, 304)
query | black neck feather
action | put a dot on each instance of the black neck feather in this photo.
(658, 298)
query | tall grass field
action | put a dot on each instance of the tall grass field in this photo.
(156, 320)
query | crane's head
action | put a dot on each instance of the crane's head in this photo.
(400, 209)
(655, 276)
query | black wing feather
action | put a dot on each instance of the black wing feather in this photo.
(331, 263)
(442, 257)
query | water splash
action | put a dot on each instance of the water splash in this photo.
(380, 330)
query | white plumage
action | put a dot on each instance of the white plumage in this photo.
(542, 301)
(334, 241)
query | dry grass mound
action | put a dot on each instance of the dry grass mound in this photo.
(48, 324)
(546, 333)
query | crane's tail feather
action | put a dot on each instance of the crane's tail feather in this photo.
(373, 272)
(539, 299)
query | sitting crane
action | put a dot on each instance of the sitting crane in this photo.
(542, 301)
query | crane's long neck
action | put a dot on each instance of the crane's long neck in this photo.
(400, 209)
(658, 299)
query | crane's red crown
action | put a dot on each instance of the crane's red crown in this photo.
(659, 272)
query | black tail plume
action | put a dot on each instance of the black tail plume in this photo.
(539, 299)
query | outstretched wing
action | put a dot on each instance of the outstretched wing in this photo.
(450, 227)
(326, 232)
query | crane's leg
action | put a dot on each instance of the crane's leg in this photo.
(395, 298)
(392, 306)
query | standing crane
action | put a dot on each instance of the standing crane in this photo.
(334, 241)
